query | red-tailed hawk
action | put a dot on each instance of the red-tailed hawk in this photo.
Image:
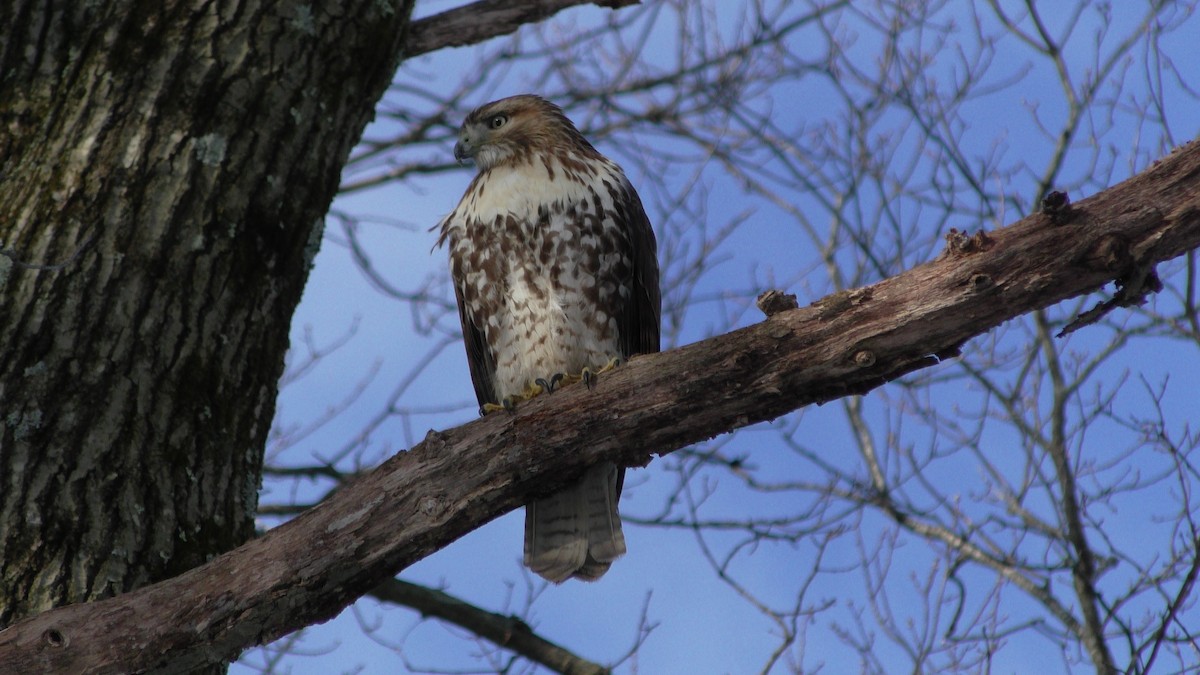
(554, 267)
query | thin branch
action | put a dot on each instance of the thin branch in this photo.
(509, 632)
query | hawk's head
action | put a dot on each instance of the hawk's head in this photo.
(513, 129)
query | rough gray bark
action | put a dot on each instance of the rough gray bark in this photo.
(180, 156)
(424, 499)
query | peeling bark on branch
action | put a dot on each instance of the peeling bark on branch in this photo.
(421, 500)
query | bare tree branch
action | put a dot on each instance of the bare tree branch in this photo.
(506, 631)
(308, 569)
(487, 19)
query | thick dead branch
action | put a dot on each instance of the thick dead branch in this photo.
(421, 500)
(486, 19)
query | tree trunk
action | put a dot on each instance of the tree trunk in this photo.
(164, 171)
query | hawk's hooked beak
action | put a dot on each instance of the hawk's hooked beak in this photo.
(463, 149)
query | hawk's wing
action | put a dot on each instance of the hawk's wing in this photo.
(638, 321)
(479, 357)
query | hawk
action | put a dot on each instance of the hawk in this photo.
(554, 269)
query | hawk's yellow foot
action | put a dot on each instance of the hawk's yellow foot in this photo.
(544, 385)
(509, 403)
(588, 376)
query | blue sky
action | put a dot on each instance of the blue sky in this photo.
(701, 625)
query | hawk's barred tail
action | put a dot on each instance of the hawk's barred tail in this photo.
(576, 532)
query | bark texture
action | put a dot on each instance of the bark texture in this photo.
(179, 156)
(423, 499)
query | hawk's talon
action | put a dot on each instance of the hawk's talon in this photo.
(548, 386)
(589, 377)
(569, 379)
(508, 404)
(544, 385)
(536, 388)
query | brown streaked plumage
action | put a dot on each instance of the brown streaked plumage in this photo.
(555, 271)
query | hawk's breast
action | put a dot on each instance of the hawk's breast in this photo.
(543, 266)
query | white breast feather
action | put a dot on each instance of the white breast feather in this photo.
(549, 325)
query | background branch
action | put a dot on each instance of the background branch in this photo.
(506, 631)
(486, 19)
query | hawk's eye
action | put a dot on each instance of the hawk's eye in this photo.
(497, 121)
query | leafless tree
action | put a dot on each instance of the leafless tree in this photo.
(1030, 495)
(870, 176)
